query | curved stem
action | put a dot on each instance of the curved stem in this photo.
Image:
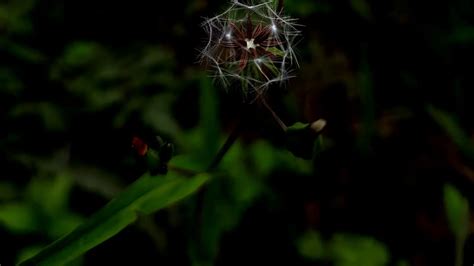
(227, 145)
(274, 115)
(213, 165)
(459, 251)
(217, 158)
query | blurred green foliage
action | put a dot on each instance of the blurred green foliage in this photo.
(457, 213)
(389, 77)
(51, 197)
(43, 209)
(343, 249)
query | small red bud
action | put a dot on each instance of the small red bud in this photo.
(140, 146)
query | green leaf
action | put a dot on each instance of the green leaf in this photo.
(452, 128)
(18, 217)
(457, 211)
(50, 194)
(28, 252)
(50, 115)
(21, 51)
(353, 250)
(15, 16)
(343, 249)
(146, 195)
(298, 126)
(362, 8)
(157, 113)
(311, 245)
(80, 53)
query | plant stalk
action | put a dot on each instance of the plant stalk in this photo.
(227, 145)
(280, 122)
(459, 251)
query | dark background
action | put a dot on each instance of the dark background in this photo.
(79, 79)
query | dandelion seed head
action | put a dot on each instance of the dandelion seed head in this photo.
(251, 45)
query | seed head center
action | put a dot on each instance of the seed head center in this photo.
(250, 44)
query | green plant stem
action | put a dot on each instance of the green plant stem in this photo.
(459, 251)
(280, 122)
(233, 136)
(217, 158)
(227, 145)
